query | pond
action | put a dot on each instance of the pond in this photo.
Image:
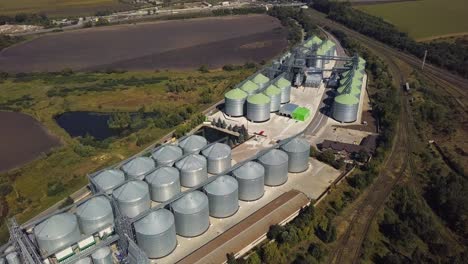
(78, 124)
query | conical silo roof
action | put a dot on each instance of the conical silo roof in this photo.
(260, 79)
(190, 203)
(249, 86)
(138, 166)
(236, 94)
(249, 170)
(223, 185)
(272, 90)
(346, 99)
(95, 208)
(297, 144)
(217, 151)
(131, 191)
(167, 153)
(85, 260)
(55, 227)
(282, 83)
(273, 157)
(193, 142)
(258, 99)
(191, 162)
(108, 179)
(163, 176)
(156, 222)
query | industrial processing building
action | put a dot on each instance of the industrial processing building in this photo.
(139, 210)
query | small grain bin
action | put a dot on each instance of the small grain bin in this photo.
(258, 108)
(285, 86)
(275, 163)
(57, 232)
(95, 215)
(193, 170)
(234, 102)
(223, 196)
(164, 183)
(166, 155)
(249, 87)
(107, 180)
(156, 233)
(261, 80)
(13, 258)
(345, 108)
(193, 144)
(251, 179)
(274, 93)
(191, 214)
(138, 167)
(298, 150)
(218, 156)
(102, 256)
(133, 198)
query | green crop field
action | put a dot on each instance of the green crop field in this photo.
(424, 19)
(59, 7)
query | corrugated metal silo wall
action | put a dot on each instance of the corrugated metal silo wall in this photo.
(345, 113)
(258, 112)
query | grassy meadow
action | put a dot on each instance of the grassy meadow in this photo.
(424, 19)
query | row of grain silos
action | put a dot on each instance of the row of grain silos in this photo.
(346, 102)
(257, 97)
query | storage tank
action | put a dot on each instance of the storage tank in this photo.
(85, 260)
(218, 156)
(102, 256)
(95, 215)
(164, 183)
(234, 101)
(223, 196)
(193, 144)
(249, 87)
(191, 214)
(138, 167)
(2, 261)
(345, 108)
(193, 170)
(258, 108)
(285, 87)
(133, 198)
(275, 162)
(107, 180)
(156, 233)
(57, 232)
(13, 258)
(251, 179)
(166, 155)
(298, 150)
(261, 80)
(274, 93)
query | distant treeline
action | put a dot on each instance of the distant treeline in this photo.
(451, 56)
(6, 41)
(26, 19)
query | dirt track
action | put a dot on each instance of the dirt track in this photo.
(149, 46)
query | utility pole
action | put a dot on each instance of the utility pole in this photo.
(424, 60)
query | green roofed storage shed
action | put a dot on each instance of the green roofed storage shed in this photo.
(301, 114)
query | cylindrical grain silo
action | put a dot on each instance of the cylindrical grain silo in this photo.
(191, 214)
(193, 170)
(133, 198)
(138, 167)
(218, 156)
(156, 233)
(275, 163)
(85, 260)
(2, 261)
(57, 232)
(164, 183)
(95, 215)
(107, 180)
(298, 150)
(285, 87)
(234, 102)
(274, 93)
(251, 179)
(223, 196)
(345, 108)
(258, 108)
(166, 155)
(261, 80)
(102, 256)
(249, 87)
(193, 144)
(13, 258)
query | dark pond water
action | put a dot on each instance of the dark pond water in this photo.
(81, 123)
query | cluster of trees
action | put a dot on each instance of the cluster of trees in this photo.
(17, 104)
(27, 19)
(327, 156)
(242, 130)
(5, 41)
(452, 56)
(183, 129)
(239, 11)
